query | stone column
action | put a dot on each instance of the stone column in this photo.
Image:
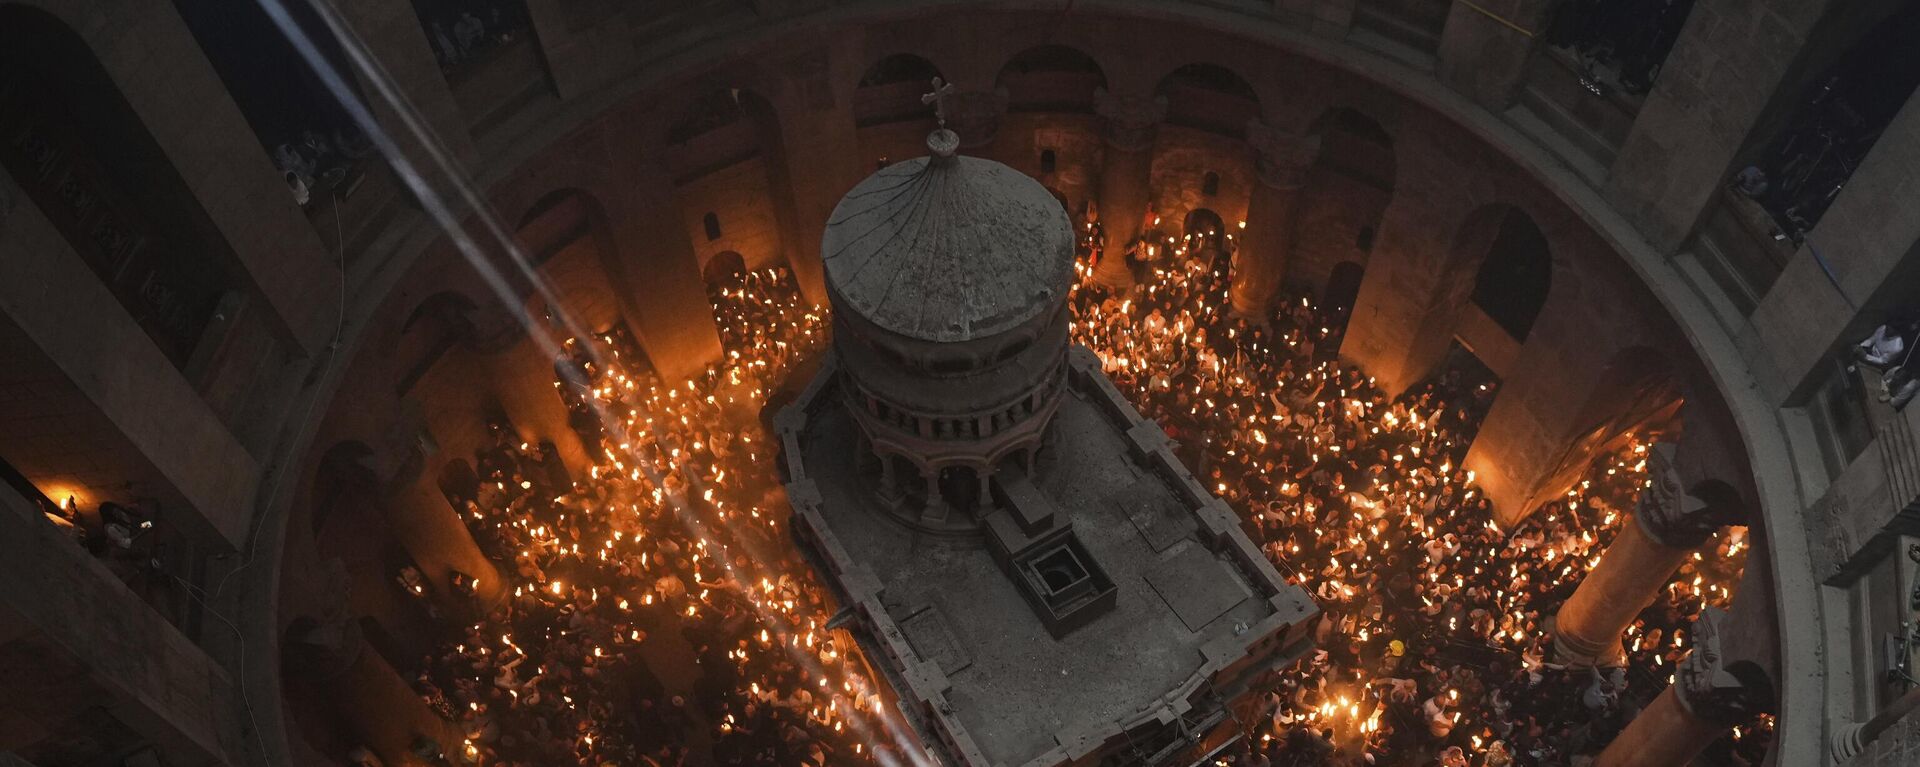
(887, 478)
(936, 509)
(1704, 701)
(670, 312)
(331, 661)
(1668, 524)
(523, 381)
(434, 534)
(1126, 178)
(820, 150)
(1852, 738)
(1282, 163)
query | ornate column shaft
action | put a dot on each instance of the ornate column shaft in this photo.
(1126, 177)
(1282, 165)
(1704, 701)
(1668, 524)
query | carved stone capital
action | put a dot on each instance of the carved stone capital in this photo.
(1283, 156)
(1131, 120)
(1704, 685)
(975, 115)
(1669, 513)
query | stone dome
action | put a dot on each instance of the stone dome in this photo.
(948, 249)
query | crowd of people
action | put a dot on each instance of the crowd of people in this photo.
(462, 31)
(660, 615)
(313, 162)
(1434, 647)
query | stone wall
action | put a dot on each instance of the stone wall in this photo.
(617, 67)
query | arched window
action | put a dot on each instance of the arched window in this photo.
(1515, 276)
(1356, 146)
(1048, 161)
(1210, 184)
(712, 222)
(711, 112)
(1209, 98)
(890, 91)
(724, 269)
(1051, 78)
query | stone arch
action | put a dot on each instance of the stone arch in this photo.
(1062, 197)
(1051, 78)
(1720, 494)
(723, 268)
(713, 133)
(566, 235)
(1513, 272)
(1205, 234)
(83, 155)
(889, 91)
(774, 237)
(1347, 192)
(435, 326)
(1353, 142)
(1211, 98)
(1203, 222)
(713, 110)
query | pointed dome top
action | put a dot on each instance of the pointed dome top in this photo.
(948, 248)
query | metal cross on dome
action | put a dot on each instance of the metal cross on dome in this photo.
(942, 90)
